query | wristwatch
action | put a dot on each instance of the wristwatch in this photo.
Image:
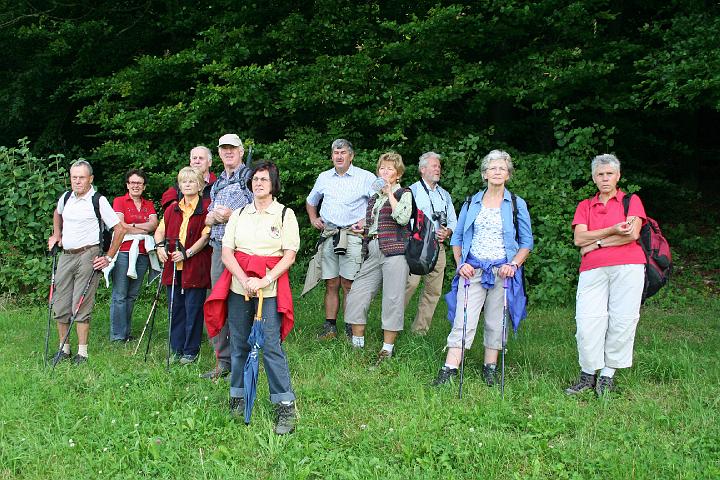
(108, 259)
(599, 243)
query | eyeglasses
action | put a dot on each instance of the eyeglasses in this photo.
(497, 169)
(136, 184)
(260, 180)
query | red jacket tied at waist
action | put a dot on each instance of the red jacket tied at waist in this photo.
(215, 307)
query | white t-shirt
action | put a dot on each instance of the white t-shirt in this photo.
(79, 223)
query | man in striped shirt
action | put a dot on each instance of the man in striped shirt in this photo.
(344, 191)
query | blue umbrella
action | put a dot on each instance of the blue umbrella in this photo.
(256, 340)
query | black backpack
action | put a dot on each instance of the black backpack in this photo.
(105, 235)
(658, 258)
(422, 248)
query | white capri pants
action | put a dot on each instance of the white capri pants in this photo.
(607, 313)
(479, 297)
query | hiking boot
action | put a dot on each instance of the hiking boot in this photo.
(444, 375)
(382, 356)
(79, 359)
(586, 382)
(216, 373)
(604, 386)
(489, 372)
(59, 357)
(187, 359)
(348, 331)
(237, 407)
(329, 331)
(285, 418)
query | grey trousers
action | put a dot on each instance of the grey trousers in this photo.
(221, 341)
(377, 270)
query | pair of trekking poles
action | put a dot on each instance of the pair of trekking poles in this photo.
(150, 320)
(506, 284)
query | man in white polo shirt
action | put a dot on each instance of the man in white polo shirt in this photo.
(76, 229)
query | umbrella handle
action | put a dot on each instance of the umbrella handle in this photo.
(258, 317)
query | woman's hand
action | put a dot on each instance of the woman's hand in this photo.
(587, 249)
(177, 256)
(253, 284)
(507, 270)
(162, 254)
(623, 228)
(466, 271)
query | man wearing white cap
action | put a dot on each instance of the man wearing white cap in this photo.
(228, 193)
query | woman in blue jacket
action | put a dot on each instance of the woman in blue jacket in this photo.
(489, 244)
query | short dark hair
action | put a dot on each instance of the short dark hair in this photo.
(135, 171)
(274, 173)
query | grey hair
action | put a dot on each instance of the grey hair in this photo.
(497, 155)
(341, 143)
(604, 159)
(82, 163)
(203, 147)
(425, 158)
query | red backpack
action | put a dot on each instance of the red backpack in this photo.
(658, 264)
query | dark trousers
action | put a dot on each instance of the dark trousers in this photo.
(187, 318)
(240, 321)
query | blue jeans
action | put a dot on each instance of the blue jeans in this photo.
(187, 318)
(240, 320)
(125, 292)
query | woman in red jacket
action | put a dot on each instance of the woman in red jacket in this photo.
(182, 238)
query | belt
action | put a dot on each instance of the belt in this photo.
(75, 251)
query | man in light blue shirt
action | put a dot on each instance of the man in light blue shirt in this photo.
(436, 203)
(344, 191)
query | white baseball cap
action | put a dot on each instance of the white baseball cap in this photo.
(230, 139)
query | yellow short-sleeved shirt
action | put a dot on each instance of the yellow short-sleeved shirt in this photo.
(187, 210)
(264, 233)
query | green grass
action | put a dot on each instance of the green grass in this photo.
(119, 417)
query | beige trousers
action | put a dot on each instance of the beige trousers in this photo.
(429, 295)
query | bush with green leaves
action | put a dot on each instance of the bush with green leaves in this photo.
(31, 189)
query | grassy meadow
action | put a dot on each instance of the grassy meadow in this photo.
(119, 417)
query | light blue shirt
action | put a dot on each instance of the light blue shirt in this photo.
(344, 197)
(438, 198)
(463, 236)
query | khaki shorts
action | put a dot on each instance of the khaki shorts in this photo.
(346, 266)
(73, 273)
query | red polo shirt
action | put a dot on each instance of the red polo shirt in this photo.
(596, 215)
(126, 206)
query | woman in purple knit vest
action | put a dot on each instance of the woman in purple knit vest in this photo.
(388, 213)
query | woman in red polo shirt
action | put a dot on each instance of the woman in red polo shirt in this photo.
(140, 219)
(612, 277)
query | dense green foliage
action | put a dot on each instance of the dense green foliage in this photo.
(118, 417)
(553, 82)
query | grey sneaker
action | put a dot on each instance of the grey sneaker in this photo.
(216, 373)
(237, 407)
(444, 375)
(604, 386)
(286, 416)
(382, 356)
(585, 382)
(187, 359)
(329, 331)
(489, 372)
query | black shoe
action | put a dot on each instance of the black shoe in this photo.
(59, 357)
(285, 418)
(348, 331)
(382, 356)
(329, 331)
(604, 386)
(237, 407)
(79, 359)
(489, 372)
(586, 382)
(444, 375)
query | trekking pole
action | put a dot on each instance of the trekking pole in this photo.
(171, 302)
(462, 353)
(53, 252)
(74, 316)
(150, 315)
(506, 284)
